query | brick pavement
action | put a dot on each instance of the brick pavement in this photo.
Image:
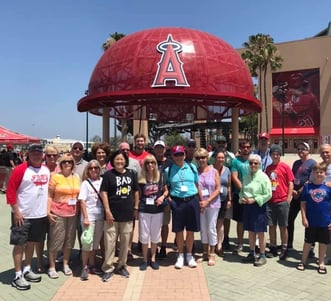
(229, 279)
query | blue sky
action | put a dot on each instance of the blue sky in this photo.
(49, 48)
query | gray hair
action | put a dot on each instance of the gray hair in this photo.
(254, 157)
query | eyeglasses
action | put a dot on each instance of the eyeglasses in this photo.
(150, 162)
(254, 163)
(51, 155)
(77, 148)
(179, 155)
(93, 168)
(301, 149)
(200, 158)
(67, 162)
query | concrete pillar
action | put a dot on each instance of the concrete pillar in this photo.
(105, 125)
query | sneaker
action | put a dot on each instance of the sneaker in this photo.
(180, 262)
(20, 283)
(52, 274)
(283, 254)
(84, 273)
(272, 252)
(154, 265)
(123, 272)
(162, 254)
(106, 276)
(238, 249)
(226, 243)
(67, 270)
(143, 266)
(191, 261)
(260, 261)
(250, 258)
(32, 277)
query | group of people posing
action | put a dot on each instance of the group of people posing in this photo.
(100, 200)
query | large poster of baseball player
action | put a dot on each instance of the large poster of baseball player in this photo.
(297, 95)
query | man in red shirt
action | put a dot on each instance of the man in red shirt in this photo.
(281, 178)
(139, 152)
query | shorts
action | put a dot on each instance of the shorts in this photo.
(255, 218)
(62, 233)
(237, 209)
(166, 215)
(33, 229)
(277, 213)
(185, 215)
(223, 209)
(97, 235)
(317, 234)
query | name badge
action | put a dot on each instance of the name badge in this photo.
(183, 188)
(205, 192)
(150, 201)
(72, 202)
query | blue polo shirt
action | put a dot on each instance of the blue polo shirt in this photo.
(180, 177)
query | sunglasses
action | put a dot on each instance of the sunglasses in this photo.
(77, 148)
(93, 168)
(51, 155)
(179, 155)
(67, 162)
(191, 145)
(245, 147)
(254, 163)
(150, 162)
(200, 158)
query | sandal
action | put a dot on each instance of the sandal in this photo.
(322, 270)
(301, 266)
(67, 271)
(211, 260)
(52, 274)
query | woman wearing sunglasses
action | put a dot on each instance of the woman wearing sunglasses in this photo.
(62, 202)
(153, 195)
(254, 194)
(209, 183)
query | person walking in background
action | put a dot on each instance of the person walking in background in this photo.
(120, 196)
(254, 194)
(302, 170)
(209, 183)
(278, 207)
(226, 198)
(27, 194)
(8, 161)
(153, 195)
(316, 217)
(92, 215)
(62, 203)
(183, 184)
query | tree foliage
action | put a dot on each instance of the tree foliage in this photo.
(260, 55)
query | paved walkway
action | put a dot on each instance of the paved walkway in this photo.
(230, 279)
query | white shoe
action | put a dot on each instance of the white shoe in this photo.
(191, 261)
(180, 262)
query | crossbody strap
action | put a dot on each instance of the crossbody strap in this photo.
(94, 189)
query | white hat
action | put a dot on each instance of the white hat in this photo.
(159, 142)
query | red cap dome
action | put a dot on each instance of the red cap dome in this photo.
(209, 77)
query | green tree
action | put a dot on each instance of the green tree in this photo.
(260, 55)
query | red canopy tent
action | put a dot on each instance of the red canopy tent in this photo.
(7, 136)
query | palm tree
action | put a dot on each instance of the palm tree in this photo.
(261, 53)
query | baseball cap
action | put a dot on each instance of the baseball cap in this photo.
(77, 142)
(191, 142)
(264, 136)
(305, 144)
(220, 139)
(10, 146)
(276, 148)
(159, 142)
(87, 236)
(178, 149)
(35, 148)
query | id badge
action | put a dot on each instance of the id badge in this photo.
(205, 192)
(72, 202)
(150, 201)
(183, 188)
